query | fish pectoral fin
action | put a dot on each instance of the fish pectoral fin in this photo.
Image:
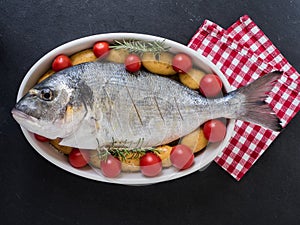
(80, 141)
(69, 141)
(85, 137)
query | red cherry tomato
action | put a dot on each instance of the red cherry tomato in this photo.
(41, 138)
(182, 63)
(133, 63)
(111, 167)
(214, 130)
(210, 85)
(61, 62)
(78, 158)
(150, 164)
(101, 48)
(181, 157)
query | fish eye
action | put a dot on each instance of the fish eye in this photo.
(46, 94)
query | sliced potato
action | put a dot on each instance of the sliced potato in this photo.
(61, 148)
(46, 75)
(117, 55)
(160, 64)
(195, 140)
(164, 154)
(192, 78)
(83, 57)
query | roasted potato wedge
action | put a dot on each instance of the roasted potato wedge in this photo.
(164, 154)
(117, 55)
(130, 164)
(46, 75)
(195, 140)
(192, 78)
(94, 159)
(64, 149)
(159, 64)
(83, 57)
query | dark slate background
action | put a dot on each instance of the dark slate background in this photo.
(33, 191)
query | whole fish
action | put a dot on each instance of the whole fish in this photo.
(98, 104)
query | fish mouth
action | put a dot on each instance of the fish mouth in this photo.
(19, 115)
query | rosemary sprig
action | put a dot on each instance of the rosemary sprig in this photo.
(140, 47)
(124, 150)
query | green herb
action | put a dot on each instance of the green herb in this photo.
(140, 47)
(124, 149)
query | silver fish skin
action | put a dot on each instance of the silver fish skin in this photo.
(99, 104)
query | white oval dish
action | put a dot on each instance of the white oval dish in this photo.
(41, 66)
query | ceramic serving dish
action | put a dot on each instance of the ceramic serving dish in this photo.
(202, 160)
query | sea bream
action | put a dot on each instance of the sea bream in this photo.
(97, 104)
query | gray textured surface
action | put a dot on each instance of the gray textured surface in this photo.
(33, 191)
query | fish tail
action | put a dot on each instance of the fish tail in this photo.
(253, 107)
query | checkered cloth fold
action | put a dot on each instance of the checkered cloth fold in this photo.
(243, 53)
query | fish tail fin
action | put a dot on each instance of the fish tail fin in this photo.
(253, 106)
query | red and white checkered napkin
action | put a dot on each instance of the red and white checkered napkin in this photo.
(244, 53)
